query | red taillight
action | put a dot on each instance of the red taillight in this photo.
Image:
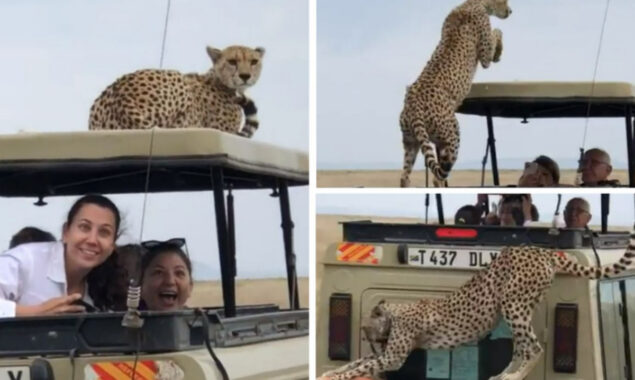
(340, 327)
(462, 233)
(565, 338)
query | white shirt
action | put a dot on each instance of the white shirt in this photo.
(31, 274)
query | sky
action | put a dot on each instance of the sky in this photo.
(58, 57)
(368, 51)
(621, 206)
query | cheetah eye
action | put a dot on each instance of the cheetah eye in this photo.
(232, 62)
(254, 62)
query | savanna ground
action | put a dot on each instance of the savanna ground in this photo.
(250, 292)
(458, 178)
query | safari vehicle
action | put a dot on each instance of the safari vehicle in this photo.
(528, 100)
(585, 326)
(228, 341)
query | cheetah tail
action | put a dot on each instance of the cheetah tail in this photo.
(432, 163)
(251, 117)
(565, 264)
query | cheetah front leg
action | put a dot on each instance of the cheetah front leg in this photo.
(400, 343)
(497, 37)
(251, 115)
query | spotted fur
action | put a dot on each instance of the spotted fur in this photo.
(513, 284)
(427, 121)
(169, 99)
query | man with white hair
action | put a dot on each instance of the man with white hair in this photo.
(596, 168)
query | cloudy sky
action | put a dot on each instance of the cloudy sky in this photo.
(621, 206)
(369, 50)
(58, 57)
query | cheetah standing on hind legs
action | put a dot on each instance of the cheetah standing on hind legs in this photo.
(514, 283)
(169, 99)
(427, 119)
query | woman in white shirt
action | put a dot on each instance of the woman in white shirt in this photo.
(49, 278)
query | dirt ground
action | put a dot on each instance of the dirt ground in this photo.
(252, 291)
(459, 178)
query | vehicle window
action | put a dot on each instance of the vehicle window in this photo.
(629, 286)
(468, 362)
(612, 330)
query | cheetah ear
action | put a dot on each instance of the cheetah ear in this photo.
(214, 53)
(260, 50)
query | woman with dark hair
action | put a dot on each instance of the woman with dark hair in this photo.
(52, 277)
(541, 172)
(166, 275)
(108, 283)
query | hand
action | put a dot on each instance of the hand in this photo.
(57, 305)
(527, 207)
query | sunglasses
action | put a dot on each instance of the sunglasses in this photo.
(150, 244)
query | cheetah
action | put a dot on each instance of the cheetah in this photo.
(513, 284)
(427, 120)
(168, 99)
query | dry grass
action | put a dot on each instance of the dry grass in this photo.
(459, 178)
(252, 291)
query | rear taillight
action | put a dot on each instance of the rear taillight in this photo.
(565, 338)
(340, 326)
(454, 233)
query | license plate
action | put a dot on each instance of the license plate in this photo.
(451, 258)
(14, 373)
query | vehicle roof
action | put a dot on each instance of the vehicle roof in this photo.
(73, 163)
(549, 99)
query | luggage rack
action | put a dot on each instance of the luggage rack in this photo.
(99, 333)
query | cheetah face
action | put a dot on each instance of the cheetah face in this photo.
(498, 8)
(377, 327)
(237, 67)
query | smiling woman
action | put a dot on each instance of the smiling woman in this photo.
(88, 240)
(166, 279)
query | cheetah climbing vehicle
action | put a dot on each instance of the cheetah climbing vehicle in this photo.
(586, 327)
(229, 341)
(531, 100)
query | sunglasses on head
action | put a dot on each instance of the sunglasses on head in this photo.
(150, 244)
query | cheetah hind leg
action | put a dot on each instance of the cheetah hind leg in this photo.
(411, 148)
(429, 151)
(527, 350)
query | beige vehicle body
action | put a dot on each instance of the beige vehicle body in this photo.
(395, 271)
(249, 341)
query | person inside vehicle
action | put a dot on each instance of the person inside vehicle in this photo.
(166, 275)
(517, 210)
(467, 215)
(52, 277)
(577, 213)
(30, 235)
(541, 172)
(596, 168)
(113, 278)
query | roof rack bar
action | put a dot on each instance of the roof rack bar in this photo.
(605, 211)
(229, 296)
(630, 145)
(491, 142)
(287, 236)
(440, 208)
(231, 230)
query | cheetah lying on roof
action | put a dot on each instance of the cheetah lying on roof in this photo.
(513, 284)
(169, 99)
(427, 119)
